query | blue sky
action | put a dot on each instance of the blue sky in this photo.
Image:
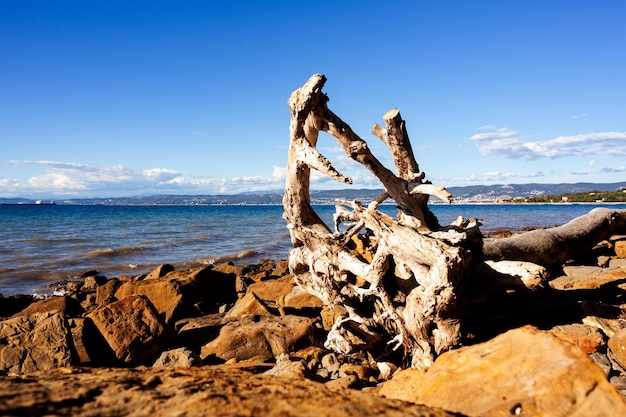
(122, 98)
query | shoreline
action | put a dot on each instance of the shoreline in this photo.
(193, 336)
(198, 332)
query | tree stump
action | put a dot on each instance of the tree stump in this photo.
(405, 298)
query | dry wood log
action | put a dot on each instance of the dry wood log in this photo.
(405, 296)
(553, 247)
(406, 299)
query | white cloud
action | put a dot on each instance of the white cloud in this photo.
(471, 178)
(74, 179)
(495, 134)
(504, 141)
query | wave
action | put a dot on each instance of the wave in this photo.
(246, 253)
(113, 252)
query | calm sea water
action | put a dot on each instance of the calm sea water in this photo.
(41, 245)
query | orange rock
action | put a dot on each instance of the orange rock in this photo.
(587, 338)
(250, 304)
(132, 328)
(261, 336)
(301, 299)
(34, 343)
(587, 277)
(65, 304)
(176, 294)
(617, 344)
(106, 293)
(273, 291)
(196, 391)
(522, 372)
(160, 271)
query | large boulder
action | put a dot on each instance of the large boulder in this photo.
(180, 294)
(195, 332)
(130, 331)
(195, 391)
(261, 337)
(522, 372)
(64, 304)
(275, 295)
(33, 343)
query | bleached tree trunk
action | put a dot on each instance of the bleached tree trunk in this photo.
(552, 247)
(407, 297)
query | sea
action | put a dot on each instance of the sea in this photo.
(42, 245)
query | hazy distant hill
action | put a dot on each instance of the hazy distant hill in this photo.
(508, 191)
(461, 194)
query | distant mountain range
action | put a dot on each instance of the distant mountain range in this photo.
(472, 193)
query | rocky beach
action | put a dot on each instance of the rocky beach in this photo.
(247, 340)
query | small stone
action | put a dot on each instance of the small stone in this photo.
(178, 358)
(343, 383)
(587, 338)
(620, 248)
(331, 363)
(93, 281)
(386, 370)
(617, 344)
(160, 271)
(361, 371)
(250, 304)
(287, 368)
(617, 263)
(105, 293)
(619, 382)
(604, 261)
(595, 315)
(602, 361)
(273, 291)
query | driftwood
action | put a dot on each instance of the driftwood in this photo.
(553, 247)
(404, 291)
(405, 298)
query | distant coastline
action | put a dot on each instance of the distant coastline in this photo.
(474, 194)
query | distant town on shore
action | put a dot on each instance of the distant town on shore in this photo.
(501, 193)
